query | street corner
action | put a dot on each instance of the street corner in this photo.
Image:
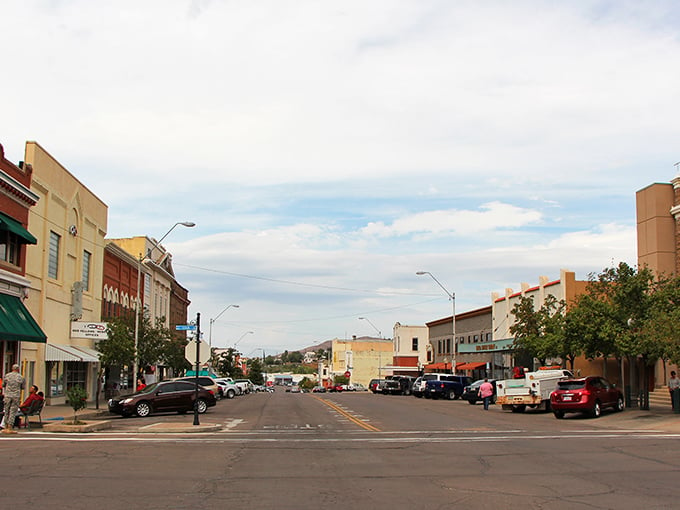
(179, 428)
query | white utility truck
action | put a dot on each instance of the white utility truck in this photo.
(533, 390)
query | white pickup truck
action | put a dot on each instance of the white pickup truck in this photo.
(533, 390)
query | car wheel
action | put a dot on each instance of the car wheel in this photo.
(472, 401)
(619, 404)
(143, 409)
(202, 406)
(231, 393)
(519, 408)
(451, 395)
(407, 392)
(559, 414)
(597, 410)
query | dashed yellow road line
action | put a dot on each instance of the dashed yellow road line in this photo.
(351, 418)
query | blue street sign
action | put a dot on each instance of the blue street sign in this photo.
(185, 327)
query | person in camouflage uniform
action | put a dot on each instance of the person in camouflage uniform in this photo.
(12, 385)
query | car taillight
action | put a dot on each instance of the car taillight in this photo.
(441, 385)
(212, 392)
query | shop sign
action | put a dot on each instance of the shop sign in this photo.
(96, 330)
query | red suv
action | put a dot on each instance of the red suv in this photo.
(587, 395)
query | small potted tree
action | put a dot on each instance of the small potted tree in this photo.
(77, 398)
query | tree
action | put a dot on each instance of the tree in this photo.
(227, 366)
(295, 357)
(255, 371)
(616, 317)
(77, 399)
(306, 383)
(173, 355)
(543, 333)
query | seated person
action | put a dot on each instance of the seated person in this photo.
(33, 396)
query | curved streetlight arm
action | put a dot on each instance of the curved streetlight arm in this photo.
(213, 320)
(241, 337)
(158, 243)
(369, 321)
(451, 295)
(220, 314)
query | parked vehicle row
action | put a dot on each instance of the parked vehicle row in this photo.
(552, 389)
(180, 395)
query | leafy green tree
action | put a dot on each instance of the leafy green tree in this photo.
(255, 371)
(544, 333)
(306, 383)
(173, 355)
(284, 357)
(295, 357)
(77, 399)
(270, 360)
(616, 314)
(226, 364)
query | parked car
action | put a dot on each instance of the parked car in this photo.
(358, 387)
(206, 382)
(165, 396)
(295, 389)
(245, 384)
(398, 385)
(586, 395)
(318, 389)
(337, 388)
(374, 385)
(446, 386)
(418, 387)
(228, 383)
(471, 392)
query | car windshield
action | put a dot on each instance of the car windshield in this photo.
(571, 385)
(430, 377)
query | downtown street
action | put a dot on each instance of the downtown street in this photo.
(352, 451)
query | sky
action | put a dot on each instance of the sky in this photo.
(327, 150)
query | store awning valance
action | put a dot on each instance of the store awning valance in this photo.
(11, 225)
(55, 352)
(472, 365)
(17, 323)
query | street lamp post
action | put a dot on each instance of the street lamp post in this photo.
(139, 301)
(215, 319)
(379, 351)
(452, 297)
(241, 338)
(369, 321)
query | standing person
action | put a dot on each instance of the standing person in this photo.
(673, 384)
(12, 386)
(486, 392)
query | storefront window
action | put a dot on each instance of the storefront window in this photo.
(55, 370)
(76, 374)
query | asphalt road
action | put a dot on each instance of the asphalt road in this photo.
(349, 451)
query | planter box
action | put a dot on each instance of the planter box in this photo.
(88, 426)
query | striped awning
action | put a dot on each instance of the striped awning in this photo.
(70, 353)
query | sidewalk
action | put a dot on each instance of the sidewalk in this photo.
(56, 413)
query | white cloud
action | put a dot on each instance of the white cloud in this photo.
(493, 216)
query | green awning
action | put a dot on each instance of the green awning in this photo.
(12, 225)
(16, 322)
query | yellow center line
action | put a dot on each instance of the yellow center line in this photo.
(353, 419)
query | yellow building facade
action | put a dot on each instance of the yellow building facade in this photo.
(364, 358)
(65, 271)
